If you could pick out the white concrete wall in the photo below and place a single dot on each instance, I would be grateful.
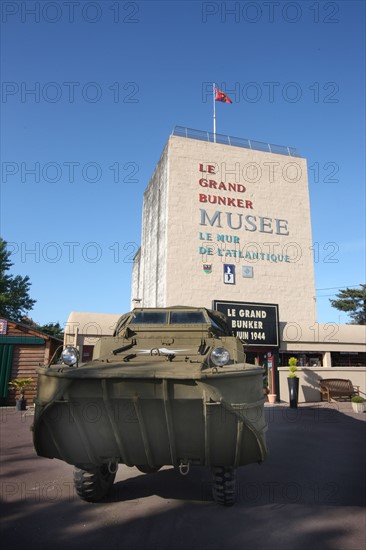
(322, 337)
(89, 326)
(266, 179)
(149, 272)
(310, 376)
(136, 279)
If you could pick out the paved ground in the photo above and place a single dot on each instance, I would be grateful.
(309, 494)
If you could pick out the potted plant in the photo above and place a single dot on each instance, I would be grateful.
(358, 403)
(20, 384)
(293, 382)
(271, 397)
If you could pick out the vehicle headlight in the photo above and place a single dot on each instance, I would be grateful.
(70, 356)
(220, 356)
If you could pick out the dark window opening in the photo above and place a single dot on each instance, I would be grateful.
(187, 317)
(348, 359)
(87, 354)
(307, 359)
(149, 318)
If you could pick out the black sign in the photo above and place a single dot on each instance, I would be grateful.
(255, 324)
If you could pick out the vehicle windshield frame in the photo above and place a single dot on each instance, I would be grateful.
(162, 318)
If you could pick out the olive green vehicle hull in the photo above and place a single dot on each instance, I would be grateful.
(150, 417)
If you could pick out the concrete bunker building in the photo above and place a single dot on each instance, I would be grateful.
(226, 225)
(209, 205)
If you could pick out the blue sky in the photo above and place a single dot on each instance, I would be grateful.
(111, 79)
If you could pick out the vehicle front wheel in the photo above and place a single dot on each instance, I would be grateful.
(94, 483)
(224, 485)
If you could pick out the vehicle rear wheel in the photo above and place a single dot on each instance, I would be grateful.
(223, 485)
(94, 483)
(148, 469)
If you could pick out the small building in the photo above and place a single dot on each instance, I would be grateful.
(82, 330)
(22, 350)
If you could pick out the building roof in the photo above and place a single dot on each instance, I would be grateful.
(14, 327)
(91, 323)
(201, 135)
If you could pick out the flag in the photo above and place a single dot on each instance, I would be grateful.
(220, 96)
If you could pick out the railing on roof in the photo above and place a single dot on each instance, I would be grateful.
(201, 135)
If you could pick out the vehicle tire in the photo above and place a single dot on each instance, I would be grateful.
(224, 485)
(94, 483)
(148, 469)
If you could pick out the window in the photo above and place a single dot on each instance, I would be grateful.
(187, 317)
(348, 359)
(149, 318)
(87, 354)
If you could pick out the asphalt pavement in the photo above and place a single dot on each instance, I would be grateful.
(309, 494)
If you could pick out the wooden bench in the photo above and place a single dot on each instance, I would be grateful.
(337, 387)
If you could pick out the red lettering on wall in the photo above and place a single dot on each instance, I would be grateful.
(212, 184)
(209, 168)
(226, 201)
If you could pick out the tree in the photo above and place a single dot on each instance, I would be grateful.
(15, 301)
(353, 301)
(53, 329)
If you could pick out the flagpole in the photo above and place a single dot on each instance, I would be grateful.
(214, 111)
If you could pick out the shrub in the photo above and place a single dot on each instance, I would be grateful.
(357, 399)
(20, 384)
(292, 367)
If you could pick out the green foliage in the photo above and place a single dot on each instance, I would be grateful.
(357, 399)
(20, 384)
(53, 329)
(14, 290)
(353, 301)
(292, 367)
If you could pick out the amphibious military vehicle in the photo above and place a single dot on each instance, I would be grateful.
(170, 387)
